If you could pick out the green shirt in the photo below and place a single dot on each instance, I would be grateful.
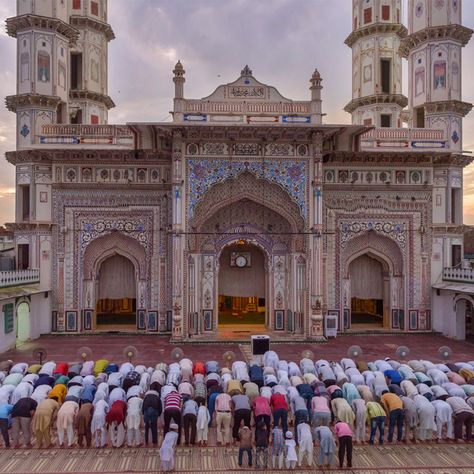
(374, 409)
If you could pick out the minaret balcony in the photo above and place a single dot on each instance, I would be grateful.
(458, 274)
(397, 139)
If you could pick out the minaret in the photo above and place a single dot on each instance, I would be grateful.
(433, 49)
(43, 41)
(376, 64)
(89, 101)
(316, 101)
(179, 80)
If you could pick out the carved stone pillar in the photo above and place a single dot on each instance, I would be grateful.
(178, 332)
(316, 220)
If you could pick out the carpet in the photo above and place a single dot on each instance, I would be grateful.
(394, 459)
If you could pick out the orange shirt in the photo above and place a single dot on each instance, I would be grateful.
(390, 401)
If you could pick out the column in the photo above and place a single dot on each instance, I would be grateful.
(178, 238)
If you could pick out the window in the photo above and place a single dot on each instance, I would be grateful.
(385, 120)
(94, 119)
(25, 202)
(355, 23)
(23, 256)
(76, 70)
(420, 117)
(367, 15)
(385, 75)
(456, 206)
(386, 12)
(456, 256)
(95, 8)
(76, 4)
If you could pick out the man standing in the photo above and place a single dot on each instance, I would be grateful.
(172, 411)
(190, 411)
(134, 412)
(279, 406)
(44, 418)
(305, 444)
(344, 436)
(65, 422)
(463, 416)
(394, 408)
(223, 418)
(241, 408)
(376, 416)
(84, 420)
(22, 412)
(151, 409)
(5, 412)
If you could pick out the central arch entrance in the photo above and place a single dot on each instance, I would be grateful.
(117, 293)
(242, 288)
(368, 292)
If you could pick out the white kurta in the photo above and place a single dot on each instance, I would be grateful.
(134, 413)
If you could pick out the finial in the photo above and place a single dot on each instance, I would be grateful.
(178, 69)
(246, 71)
(316, 79)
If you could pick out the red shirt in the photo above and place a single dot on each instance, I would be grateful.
(278, 402)
(117, 412)
(199, 368)
(261, 406)
(62, 369)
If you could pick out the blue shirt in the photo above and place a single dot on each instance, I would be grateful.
(394, 376)
(88, 393)
(5, 410)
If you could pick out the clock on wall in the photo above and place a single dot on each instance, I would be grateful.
(241, 261)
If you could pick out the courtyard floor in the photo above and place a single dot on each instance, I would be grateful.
(397, 458)
(153, 349)
(445, 458)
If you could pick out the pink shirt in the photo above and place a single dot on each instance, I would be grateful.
(342, 429)
(223, 402)
(261, 406)
(320, 405)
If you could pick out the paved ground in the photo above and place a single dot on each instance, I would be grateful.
(395, 459)
(154, 348)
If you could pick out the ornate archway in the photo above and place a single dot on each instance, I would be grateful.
(373, 282)
(258, 214)
(119, 252)
(464, 323)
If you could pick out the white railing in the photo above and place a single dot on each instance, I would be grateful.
(465, 275)
(19, 277)
(92, 135)
(203, 106)
(417, 139)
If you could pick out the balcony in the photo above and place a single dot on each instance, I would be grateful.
(83, 136)
(19, 277)
(459, 274)
(396, 139)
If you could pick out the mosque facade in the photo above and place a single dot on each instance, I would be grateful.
(247, 208)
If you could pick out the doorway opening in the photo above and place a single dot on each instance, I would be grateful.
(23, 323)
(367, 292)
(117, 288)
(242, 289)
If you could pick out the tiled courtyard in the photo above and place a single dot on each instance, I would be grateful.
(153, 349)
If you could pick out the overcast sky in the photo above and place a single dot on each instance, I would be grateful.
(281, 40)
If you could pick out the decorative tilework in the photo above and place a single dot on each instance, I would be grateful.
(396, 231)
(291, 175)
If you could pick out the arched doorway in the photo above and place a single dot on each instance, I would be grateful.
(116, 293)
(464, 328)
(242, 288)
(22, 323)
(369, 291)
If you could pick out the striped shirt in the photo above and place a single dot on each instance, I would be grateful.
(173, 401)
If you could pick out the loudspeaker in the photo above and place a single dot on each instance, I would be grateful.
(260, 345)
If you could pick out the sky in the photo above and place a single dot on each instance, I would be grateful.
(282, 41)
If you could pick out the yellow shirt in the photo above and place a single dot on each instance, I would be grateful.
(374, 409)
